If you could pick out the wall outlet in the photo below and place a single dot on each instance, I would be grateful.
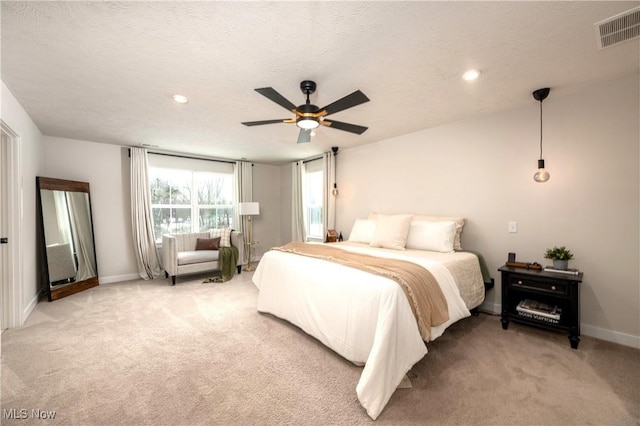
(513, 227)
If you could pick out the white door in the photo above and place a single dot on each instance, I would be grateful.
(10, 228)
(4, 264)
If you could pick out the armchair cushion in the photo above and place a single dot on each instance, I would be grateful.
(198, 256)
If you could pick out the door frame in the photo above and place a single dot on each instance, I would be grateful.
(12, 290)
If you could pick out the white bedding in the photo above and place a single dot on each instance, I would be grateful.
(363, 317)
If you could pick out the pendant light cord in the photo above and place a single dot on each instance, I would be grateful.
(541, 130)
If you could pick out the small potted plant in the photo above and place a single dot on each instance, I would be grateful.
(560, 256)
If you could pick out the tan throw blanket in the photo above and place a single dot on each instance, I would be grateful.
(425, 297)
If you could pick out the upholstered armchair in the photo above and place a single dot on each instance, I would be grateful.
(180, 256)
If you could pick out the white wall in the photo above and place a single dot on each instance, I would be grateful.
(18, 120)
(106, 168)
(482, 168)
(266, 191)
(286, 182)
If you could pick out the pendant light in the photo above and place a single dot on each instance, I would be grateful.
(335, 185)
(541, 175)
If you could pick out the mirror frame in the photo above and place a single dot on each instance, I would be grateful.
(78, 286)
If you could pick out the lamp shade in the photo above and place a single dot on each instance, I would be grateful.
(249, 209)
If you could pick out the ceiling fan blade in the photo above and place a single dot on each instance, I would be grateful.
(259, 123)
(348, 127)
(304, 136)
(355, 98)
(276, 97)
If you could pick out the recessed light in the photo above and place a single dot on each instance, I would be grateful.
(180, 99)
(471, 75)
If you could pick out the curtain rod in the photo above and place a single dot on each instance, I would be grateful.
(188, 157)
(333, 148)
(192, 158)
(311, 159)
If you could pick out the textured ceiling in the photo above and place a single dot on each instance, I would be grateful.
(106, 71)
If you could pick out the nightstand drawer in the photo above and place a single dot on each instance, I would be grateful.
(547, 286)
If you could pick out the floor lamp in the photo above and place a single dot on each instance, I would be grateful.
(249, 209)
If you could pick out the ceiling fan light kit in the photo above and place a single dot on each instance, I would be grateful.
(309, 116)
(307, 123)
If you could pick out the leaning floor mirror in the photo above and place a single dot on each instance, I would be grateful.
(68, 248)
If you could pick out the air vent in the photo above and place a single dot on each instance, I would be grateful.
(618, 29)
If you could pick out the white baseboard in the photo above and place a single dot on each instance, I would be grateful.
(610, 335)
(585, 329)
(118, 278)
(490, 308)
(28, 309)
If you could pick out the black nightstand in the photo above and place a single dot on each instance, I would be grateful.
(556, 289)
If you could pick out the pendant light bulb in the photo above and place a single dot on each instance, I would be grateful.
(541, 175)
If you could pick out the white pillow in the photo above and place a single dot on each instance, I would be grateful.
(432, 236)
(391, 231)
(459, 220)
(362, 231)
(224, 234)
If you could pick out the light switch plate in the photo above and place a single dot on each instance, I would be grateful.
(513, 227)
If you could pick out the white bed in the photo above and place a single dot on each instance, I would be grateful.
(365, 318)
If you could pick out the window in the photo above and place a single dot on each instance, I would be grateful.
(215, 200)
(312, 187)
(170, 201)
(185, 200)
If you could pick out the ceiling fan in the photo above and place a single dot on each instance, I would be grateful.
(309, 116)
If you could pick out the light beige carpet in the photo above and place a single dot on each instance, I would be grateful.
(150, 353)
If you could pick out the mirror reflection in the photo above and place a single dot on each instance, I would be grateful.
(67, 231)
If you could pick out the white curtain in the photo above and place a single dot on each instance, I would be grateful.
(328, 199)
(80, 215)
(144, 244)
(243, 172)
(62, 216)
(298, 232)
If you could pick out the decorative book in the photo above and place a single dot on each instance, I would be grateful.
(529, 308)
(540, 318)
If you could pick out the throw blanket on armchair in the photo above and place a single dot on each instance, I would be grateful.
(425, 297)
(227, 259)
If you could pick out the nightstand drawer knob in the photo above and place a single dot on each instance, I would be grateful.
(553, 287)
(519, 282)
